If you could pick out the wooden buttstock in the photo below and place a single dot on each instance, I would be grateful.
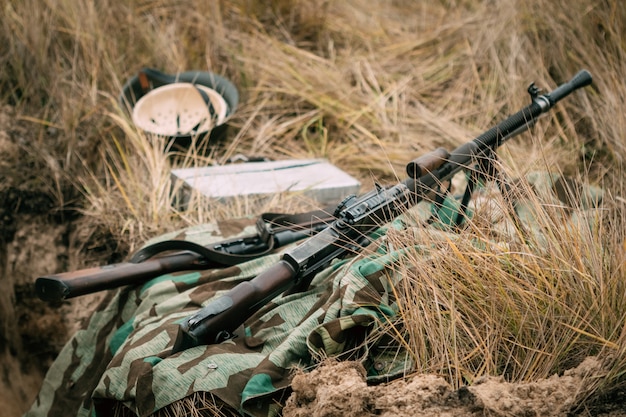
(59, 287)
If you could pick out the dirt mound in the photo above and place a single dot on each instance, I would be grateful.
(340, 389)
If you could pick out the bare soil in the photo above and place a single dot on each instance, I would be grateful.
(339, 389)
(35, 240)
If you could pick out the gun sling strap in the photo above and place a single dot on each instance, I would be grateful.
(273, 231)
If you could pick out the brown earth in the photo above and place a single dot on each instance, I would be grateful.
(35, 239)
(339, 389)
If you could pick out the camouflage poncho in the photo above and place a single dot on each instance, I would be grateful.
(121, 361)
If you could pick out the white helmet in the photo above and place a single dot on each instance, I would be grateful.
(182, 106)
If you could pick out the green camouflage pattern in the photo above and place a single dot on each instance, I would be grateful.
(120, 363)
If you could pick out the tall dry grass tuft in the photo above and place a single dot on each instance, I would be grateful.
(524, 302)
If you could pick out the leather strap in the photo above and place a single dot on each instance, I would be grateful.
(207, 101)
(269, 227)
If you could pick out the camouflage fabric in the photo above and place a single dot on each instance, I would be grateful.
(121, 361)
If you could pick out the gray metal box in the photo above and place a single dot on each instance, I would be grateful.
(314, 178)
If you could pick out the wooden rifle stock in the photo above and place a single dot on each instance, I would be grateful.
(65, 285)
(217, 321)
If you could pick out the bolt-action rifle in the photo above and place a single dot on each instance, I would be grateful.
(274, 230)
(356, 217)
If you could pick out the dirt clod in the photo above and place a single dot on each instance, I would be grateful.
(340, 389)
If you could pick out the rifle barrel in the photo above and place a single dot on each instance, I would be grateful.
(483, 145)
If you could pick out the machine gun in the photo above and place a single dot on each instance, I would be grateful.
(356, 217)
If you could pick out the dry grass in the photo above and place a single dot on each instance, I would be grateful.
(525, 304)
(368, 85)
